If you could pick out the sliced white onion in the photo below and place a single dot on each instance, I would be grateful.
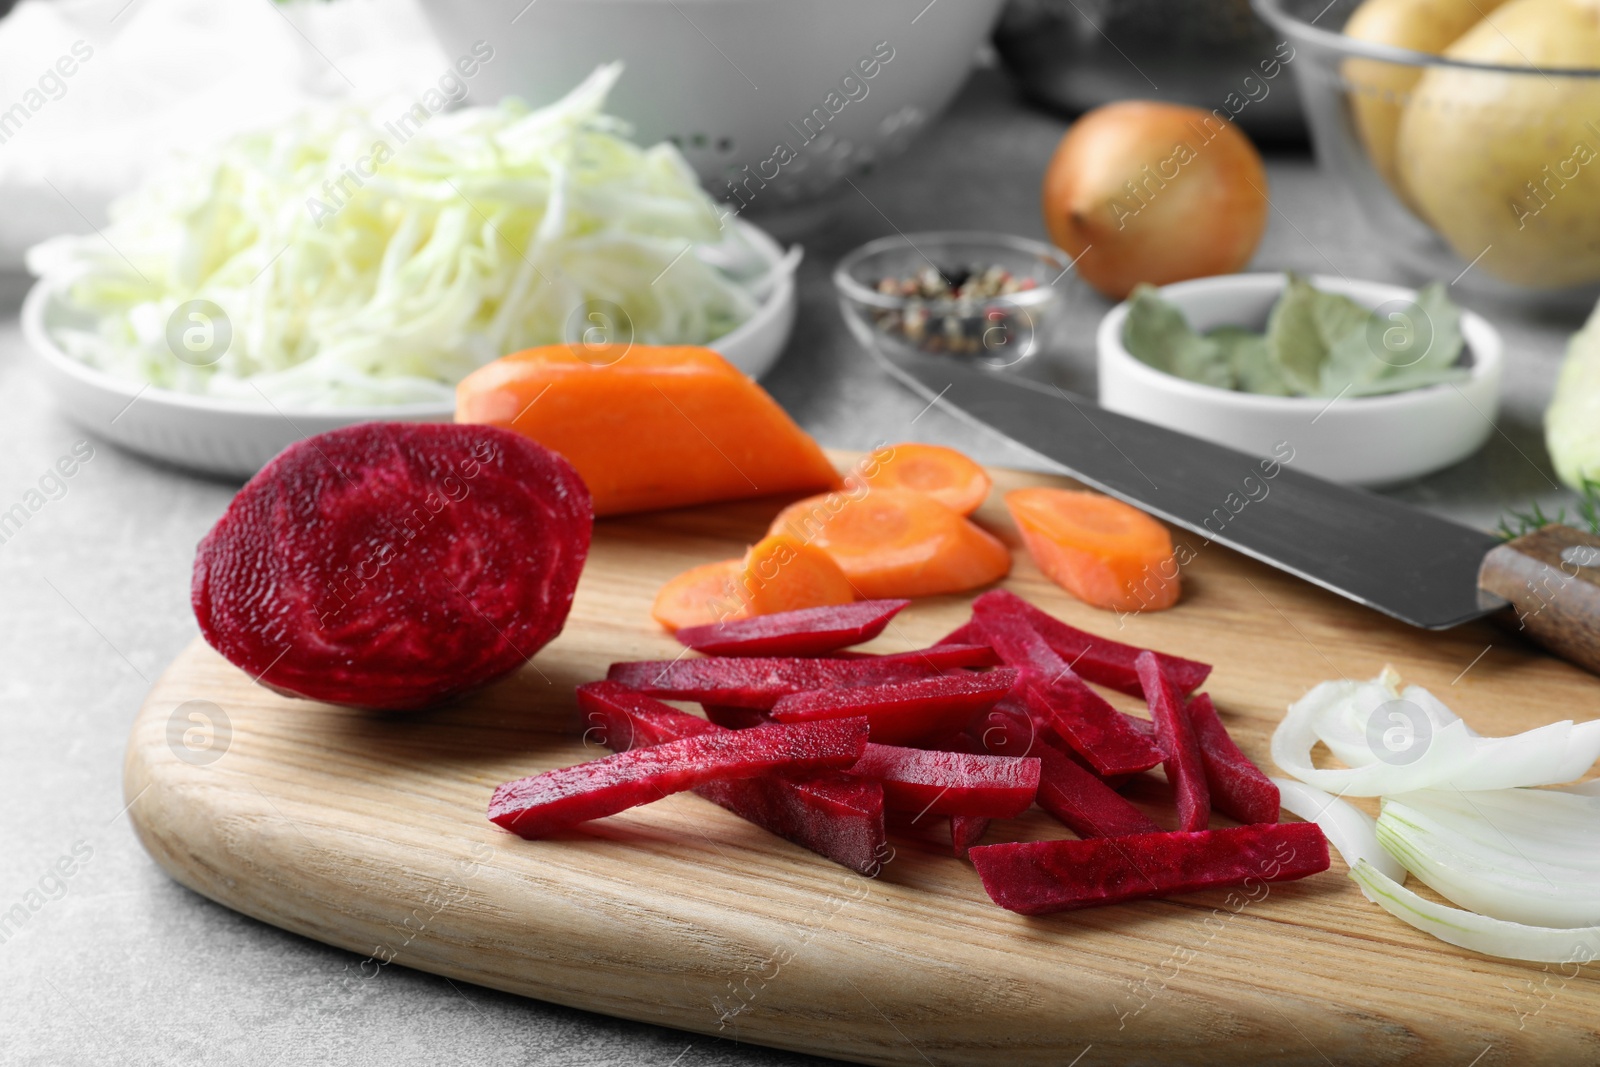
(1347, 828)
(1479, 933)
(1498, 869)
(1401, 741)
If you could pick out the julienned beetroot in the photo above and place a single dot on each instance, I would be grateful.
(943, 657)
(1040, 877)
(735, 718)
(966, 831)
(1095, 729)
(807, 632)
(955, 833)
(968, 633)
(904, 712)
(1099, 659)
(950, 783)
(543, 804)
(1184, 765)
(1237, 786)
(391, 565)
(837, 816)
(1083, 803)
(758, 681)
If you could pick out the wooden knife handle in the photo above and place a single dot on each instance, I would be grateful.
(1552, 579)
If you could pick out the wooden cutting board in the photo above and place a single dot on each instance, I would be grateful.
(367, 831)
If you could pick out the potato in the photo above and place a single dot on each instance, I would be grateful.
(1507, 165)
(1379, 89)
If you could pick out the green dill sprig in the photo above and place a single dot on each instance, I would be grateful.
(1586, 515)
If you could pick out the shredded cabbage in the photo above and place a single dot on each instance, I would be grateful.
(476, 233)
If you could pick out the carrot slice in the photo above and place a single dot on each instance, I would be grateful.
(933, 470)
(897, 543)
(701, 596)
(776, 574)
(648, 426)
(782, 573)
(1104, 552)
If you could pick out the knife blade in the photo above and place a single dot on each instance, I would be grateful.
(1398, 559)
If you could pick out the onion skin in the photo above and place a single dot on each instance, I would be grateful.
(1158, 193)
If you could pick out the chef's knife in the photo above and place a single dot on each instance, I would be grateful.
(1388, 555)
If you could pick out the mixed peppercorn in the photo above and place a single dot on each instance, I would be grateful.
(960, 311)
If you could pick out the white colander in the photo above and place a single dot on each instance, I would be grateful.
(772, 101)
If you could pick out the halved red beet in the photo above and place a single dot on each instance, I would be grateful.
(837, 816)
(903, 712)
(807, 632)
(1237, 786)
(542, 804)
(391, 565)
(1101, 733)
(950, 783)
(758, 681)
(1079, 800)
(1099, 659)
(1040, 877)
(1184, 765)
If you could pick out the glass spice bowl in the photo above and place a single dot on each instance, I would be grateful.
(986, 297)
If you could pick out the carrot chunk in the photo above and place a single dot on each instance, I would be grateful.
(1104, 552)
(1040, 877)
(897, 543)
(701, 596)
(648, 426)
(942, 473)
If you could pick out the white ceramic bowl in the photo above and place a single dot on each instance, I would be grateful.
(729, 81)
(235, 438)
(1373, 440)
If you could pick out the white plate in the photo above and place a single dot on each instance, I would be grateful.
(236, 438)
(1369, 440)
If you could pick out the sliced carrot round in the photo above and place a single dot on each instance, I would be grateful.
(1102, 551)
(782, 573)
(942, 473)
(701, 595)
(896, 542)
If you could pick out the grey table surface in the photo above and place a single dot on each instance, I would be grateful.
(118, 964)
